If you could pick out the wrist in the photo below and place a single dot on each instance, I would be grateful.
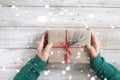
(95, 54)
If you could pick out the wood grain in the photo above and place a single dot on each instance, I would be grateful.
(60, 17)
(17, 58)
(27, 37)
(83, 3)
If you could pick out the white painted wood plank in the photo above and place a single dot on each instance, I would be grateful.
(99, 3)
(59, 17)
(27, 37)
(17, 58)
(54, 74)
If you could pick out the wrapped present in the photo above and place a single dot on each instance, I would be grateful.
(69, 45)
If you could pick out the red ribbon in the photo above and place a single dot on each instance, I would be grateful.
(67, 47)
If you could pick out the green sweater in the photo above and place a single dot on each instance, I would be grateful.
(103, 69)
(32, 69)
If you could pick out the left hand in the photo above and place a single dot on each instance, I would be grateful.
(44, 53)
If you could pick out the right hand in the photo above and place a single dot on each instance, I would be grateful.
(93, 48)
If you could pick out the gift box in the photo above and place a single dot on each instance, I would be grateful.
(69, 45)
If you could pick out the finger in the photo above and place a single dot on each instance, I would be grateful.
(94, 41)
(47, 49)
(91, 50)
(41, 41)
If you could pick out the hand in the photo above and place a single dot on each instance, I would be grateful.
(93, 48)
(44, 53)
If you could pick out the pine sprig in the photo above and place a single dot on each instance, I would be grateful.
(77, 37)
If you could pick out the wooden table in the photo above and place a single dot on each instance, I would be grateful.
(22, 22)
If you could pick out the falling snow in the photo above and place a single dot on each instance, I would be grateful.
(53, 19)
(92, 78)
(78, 53)
(50, 13)
(42, 19)
(52, 52)
(88, 75)
(66, 10)
(63, 72)
(98, 33)
(70, 77)
(0, 5)
(81, 70)
(63, 62)
(67, 68)
(53, 66)
(17, 70)
(17, 14)
(3, 68)
(47, 6)
(18, 59)
(61, 13)
(46, 72)
(105, 78)
(112, 27)
(91, 15)
(14, 7)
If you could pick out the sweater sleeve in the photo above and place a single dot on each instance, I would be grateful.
(31, 70)
(103, 69)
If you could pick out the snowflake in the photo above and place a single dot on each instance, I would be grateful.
(67, 68)
(52, 52)
(53, 19)
(81, 71)
(50, 13)
(63, 72)
(70, 77)
(86, 25)
(17, 14)
(66, 10)
(4, 69)
(91, 15)
(42, 19)
(98, 33)
(92, 78)
(46, 72)
(63, 62)
(17, 70)
(112, 27)
(53, 65)
(18, 59)
(78, 53)
(61, 13)
(14, 7)
(77, 57)
(105, 78)
(29, 58)
(82, 49)
(26, 11)
(88, 75)
(47, 6)
(27, 46)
